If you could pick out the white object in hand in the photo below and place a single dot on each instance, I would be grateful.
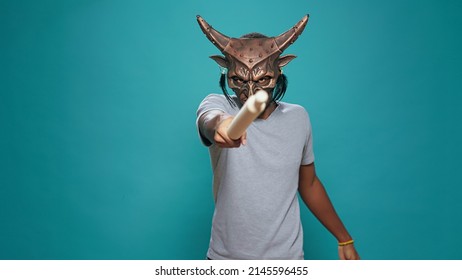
(251, 109)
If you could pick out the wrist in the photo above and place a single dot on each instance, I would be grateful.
(345, 243)
(343, 236)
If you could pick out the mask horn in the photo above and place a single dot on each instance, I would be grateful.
(286, 39)
(218, 39)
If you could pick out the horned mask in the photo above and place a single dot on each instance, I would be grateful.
(252, 61)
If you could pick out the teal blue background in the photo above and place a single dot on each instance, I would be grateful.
(100, 158)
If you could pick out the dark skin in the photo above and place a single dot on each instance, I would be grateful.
(316, 199)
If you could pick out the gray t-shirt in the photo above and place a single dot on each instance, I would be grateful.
(257, 214)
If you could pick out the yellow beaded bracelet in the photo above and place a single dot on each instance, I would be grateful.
(346, 243)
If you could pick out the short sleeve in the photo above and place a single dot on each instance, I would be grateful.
(212, 102)
(308, 154)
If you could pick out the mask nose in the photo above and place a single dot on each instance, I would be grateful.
(252, 87)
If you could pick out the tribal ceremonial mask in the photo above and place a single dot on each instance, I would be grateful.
(253, 61)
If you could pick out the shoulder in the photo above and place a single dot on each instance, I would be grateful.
(295, 114)
(216, 102)
(293, 109)
(219, 99)
(215, 96)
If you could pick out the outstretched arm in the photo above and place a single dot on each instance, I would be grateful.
(214, 124)
(316, 199)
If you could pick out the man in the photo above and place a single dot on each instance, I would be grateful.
(256, 177)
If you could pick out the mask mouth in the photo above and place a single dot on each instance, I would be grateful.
(248, 92)
(243, 96)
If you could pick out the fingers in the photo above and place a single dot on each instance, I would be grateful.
(341, 253)
(222, 139)
(244, 138)
(348, 253)
(351, 253)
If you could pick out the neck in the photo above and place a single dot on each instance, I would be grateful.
(269, 109)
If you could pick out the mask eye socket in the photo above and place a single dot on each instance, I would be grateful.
(264, 81)
(238, 80)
